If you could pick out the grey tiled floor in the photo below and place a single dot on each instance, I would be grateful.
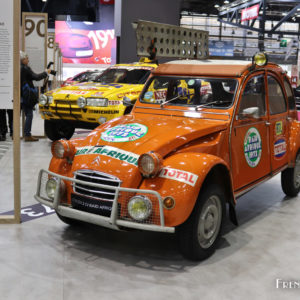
(46, 259)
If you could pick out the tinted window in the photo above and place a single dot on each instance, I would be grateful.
(254, 95)
(276, 97)
(289, 93)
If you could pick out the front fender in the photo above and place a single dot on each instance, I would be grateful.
(182, 177)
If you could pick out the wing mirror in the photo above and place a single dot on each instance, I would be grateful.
(127, 102)
(250, 112)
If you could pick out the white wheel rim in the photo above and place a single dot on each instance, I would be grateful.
(209, 221)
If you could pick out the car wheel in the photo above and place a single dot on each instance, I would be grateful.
(199, 235)
(290, 179)
(69, 221)
(58, 130)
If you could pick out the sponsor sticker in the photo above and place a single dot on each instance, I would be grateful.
(66, 92)
(179, 175)
(113, 152)
(278, 128)
(124, 133)
(279, 148)
(252, 147)
(114, 102)
(98, 94)
(160, 95)
(148, 95)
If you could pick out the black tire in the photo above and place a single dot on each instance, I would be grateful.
(199, 235)
(290, 179)
(69, 221)
(58, 130)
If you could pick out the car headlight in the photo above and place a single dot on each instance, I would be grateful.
(63, 149)
(97, 101)
(81, 102)
(150, 164)
(139, 208)
(43, 100)
(52, 186)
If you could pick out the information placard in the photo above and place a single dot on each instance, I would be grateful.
(6, 54)
(35, 40)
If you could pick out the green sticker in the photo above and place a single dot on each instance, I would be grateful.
(252, 147)
(124, 133)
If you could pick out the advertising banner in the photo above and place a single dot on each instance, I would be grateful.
(35, 41)
(85, 43)
(221, 48)
(250, 13)
(6, 54)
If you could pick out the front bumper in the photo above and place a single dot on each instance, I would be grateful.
(115, 221)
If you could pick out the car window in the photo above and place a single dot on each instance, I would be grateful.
(129, 76)
(254, 95)
(192, 91)
(290, 95)
(276, 97)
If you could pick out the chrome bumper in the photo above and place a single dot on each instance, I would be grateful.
(112, 222)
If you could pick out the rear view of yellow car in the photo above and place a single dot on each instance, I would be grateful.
(89, 104)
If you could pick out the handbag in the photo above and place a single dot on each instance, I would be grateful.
(29, 95)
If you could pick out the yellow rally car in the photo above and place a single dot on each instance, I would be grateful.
(89, 104)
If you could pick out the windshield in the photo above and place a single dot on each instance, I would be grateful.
(192, 91)
(124, 75)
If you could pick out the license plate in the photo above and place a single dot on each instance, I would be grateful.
(98, 207)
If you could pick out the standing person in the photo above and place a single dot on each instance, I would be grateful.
(27, 76)
(3, 126)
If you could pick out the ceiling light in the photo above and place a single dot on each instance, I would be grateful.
(226, 2)
(217, 5)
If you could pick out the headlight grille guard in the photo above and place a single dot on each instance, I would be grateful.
(111, 222)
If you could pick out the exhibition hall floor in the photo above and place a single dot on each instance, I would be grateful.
(43, 258)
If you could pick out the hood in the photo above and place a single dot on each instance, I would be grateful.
(119, 143)
(90, 89)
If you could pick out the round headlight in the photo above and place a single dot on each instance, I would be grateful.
(139, 208)
(150, 164)
(260, 59)
(43, 99)
(81, 102)
(51, 187)
(63, 149)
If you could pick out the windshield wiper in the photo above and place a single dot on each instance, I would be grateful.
(172, 99)
(211, 103)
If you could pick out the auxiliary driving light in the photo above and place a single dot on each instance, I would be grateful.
(139, 208)
(81, 102)
(63, 149)
(150, 164)
(260, 59)
(169, 202)
(51, 187)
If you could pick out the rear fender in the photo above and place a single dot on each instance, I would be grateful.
(294, 142)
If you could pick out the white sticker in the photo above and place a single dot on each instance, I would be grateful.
(179, 175)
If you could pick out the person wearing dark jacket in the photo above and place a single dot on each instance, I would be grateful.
(27, 76)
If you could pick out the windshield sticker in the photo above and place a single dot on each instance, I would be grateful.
(160, 95)
(252, 147)
(148, 95)
(179, 175)
(278, 128)
(113, 152)
(279, 148)
(88, 87)
(124, 133)
(132, 68)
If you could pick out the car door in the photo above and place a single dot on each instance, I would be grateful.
(279, 125)
(250, 148)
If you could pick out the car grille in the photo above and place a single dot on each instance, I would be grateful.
(96, 177)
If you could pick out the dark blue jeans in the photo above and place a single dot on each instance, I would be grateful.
(28, 120)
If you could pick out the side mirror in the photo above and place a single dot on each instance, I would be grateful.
(250, 112)
(127, 102)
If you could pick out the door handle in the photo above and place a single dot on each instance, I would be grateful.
(288, 118)
(267, 123)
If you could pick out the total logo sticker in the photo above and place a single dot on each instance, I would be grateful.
(279, 148)
(252, 147)
(179, 175)
(124, 133)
